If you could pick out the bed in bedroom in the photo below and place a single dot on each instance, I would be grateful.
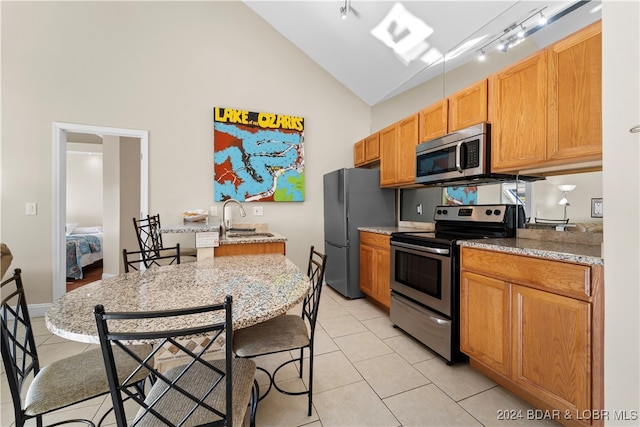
(84, 247)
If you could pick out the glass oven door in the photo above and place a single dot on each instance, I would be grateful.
(422, 274)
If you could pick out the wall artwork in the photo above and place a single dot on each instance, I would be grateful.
(460, 195)
(257, 156)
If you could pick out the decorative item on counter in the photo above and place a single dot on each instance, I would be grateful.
(195, 215)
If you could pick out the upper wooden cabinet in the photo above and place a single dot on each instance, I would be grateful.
(434, 120)
(464, 108)
(546, 110)
(398, 153)
(358, 153)
(519, 114)
(575, 96)
(468, 106)
(367, 151)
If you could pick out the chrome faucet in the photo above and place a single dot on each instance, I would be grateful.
(226, 224)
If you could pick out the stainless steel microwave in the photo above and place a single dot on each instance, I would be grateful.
(460, 155)
(460, 158)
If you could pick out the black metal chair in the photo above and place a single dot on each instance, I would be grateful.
(199, 392)
(150, 238)
(60, 384)
(135, 259)
(287, 332)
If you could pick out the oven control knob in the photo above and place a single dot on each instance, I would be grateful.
(444, 212)
(496, 212)
(488, 212)
(439, 211)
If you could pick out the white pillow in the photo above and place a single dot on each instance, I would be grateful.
(70, 227)
(87, 230)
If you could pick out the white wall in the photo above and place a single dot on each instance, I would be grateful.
(161, 67)
(621, 186)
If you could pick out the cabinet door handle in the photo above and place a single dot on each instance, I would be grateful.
(635, 129)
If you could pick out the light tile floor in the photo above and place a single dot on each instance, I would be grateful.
(367, 373)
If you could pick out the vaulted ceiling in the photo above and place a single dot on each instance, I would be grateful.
(415, 38)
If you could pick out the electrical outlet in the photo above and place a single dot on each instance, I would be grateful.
(213, 210)
(597, 208)
(258, 211)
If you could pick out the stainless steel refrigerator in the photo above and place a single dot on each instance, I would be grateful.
(352, 198)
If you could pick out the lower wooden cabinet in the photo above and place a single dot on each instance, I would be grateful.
(375, 267)
(251, 249)
(487, 334)
(551, 350)
(536, 327)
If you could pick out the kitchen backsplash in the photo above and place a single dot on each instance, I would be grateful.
(542, 198)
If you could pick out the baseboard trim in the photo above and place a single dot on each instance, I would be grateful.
(38, 310)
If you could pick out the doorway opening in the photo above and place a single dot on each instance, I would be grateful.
(59, 182)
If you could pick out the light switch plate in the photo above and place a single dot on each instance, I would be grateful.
(597, 208)
(258, 211)
(32, 208)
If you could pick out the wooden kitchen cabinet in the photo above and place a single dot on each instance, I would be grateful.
(358, 153)
(552, 348)
(464, 108)
(546, 110)
(367, 151)
(468, 106)
(257, 248)
(375, 267)
(575, 97)
(519, 115)
(398, 153)
(434, 121)
(485, 312)
(536, 327)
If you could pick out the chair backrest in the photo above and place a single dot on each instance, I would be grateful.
(181, 393)
(315, 271)
(133, 260)
(148, 233)
(19, 354)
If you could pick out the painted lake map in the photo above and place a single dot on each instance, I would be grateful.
(257, 156)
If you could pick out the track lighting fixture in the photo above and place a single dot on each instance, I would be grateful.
(346, 9)
(482, 55)
(543, 20)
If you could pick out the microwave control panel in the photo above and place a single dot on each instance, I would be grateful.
(472, 158)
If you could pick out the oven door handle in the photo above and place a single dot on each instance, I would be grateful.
(439, 251)
(439, 321)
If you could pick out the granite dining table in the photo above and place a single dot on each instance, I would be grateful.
(262, 287)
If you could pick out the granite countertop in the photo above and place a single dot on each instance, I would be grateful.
(262, 286)
(201, 227)
(402, 228)
(275, 237)
(554, 250)
(190, 227)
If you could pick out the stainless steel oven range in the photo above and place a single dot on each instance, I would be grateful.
(425, 272)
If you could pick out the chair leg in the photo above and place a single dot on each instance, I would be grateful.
(301, 359)
(271, 382)
(253, 403)
(310, 377)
